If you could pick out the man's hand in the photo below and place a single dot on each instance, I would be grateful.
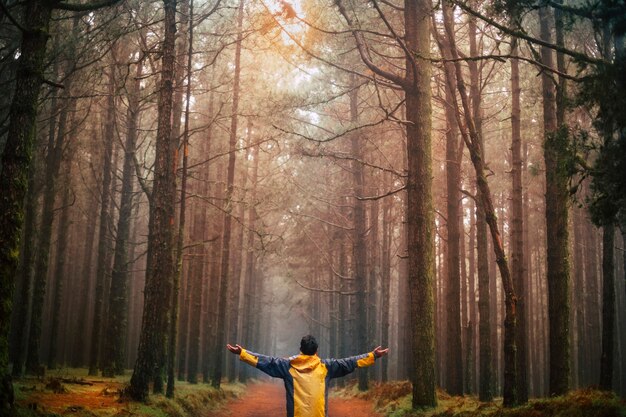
(379, 351)
(234, 349)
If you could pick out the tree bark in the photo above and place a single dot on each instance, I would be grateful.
(114, 355)
(517, 227)
(56, 140)
(24, 300)
(454, 349)
(160, 261)
(234, 330)
(85, 288)
(186, 9)
(228, 206)
(608, 307)
(16, 158)
(473, 143)
(486, 379)
(473, 303)
(62, 231)
(102, 267)
(386, 280)
(420, 220)
(555, 144)
(359, 256)
(250, 273)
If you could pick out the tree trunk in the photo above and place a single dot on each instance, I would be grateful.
(85, 288)
(250, 275)
(16, 158)
(473, 142)
(24, 300)
(114, 355)
(53, 162)
(608, 307)
(517, 227)
(234, 331)
(160, 261)
(386, 280)
(420, 220)
(454, 349)
(196, 338)
(359, 257)
(623, 229)
(228, 206)
(555, 145)
(473, 317)
(62, 232)
(103, 236)
(579, 296)
(373, 274)
(186, 9)
(486, 381)
(465, 348)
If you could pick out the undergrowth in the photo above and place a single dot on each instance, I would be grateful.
(71, 392)
(393, 399)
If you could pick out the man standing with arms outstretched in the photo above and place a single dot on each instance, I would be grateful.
(306, 376)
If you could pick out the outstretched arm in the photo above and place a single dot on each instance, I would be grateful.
(341, 367)
(275, 367)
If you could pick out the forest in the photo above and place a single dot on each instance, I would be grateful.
(443, 178)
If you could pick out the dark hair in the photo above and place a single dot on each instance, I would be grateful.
(308, 345)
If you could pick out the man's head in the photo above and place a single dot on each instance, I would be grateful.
(308, 345)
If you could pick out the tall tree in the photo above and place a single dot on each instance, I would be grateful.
(160, 262)
(420, 221)
(359, 257)
(387, 234)
(173, 330)
(557, 234)
(517, 226)
(454, 351)
(17, 153)
(228, 206)
(250, 273)
(65, 156)
(114, 355)
(608, 307)
(59, 269)
(473, 143)
(22, 311)
(54, 156)
(486, 374)
(102, 266)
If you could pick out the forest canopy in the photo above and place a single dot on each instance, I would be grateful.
(445, 178)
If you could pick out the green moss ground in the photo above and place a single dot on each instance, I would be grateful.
(393, 399)
(37, 397)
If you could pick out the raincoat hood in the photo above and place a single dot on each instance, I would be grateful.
(305, 363)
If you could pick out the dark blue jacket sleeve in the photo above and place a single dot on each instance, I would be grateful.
(341, 367)
(274, 367)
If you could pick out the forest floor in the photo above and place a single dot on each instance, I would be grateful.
(268, 400)
(393, 399)
(72, 393)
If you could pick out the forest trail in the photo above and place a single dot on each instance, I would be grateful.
(268, 400)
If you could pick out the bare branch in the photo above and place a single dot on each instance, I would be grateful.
(73, 7)
(387, 194)
(325, 290)
(522, 35)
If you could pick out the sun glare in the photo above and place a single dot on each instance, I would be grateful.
(289, 15)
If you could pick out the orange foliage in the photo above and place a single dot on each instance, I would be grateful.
(50, 398)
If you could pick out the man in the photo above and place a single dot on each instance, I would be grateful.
(306, 376)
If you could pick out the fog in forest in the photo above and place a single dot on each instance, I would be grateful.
(442, 178)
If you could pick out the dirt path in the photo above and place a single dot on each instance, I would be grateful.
(268, 400)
